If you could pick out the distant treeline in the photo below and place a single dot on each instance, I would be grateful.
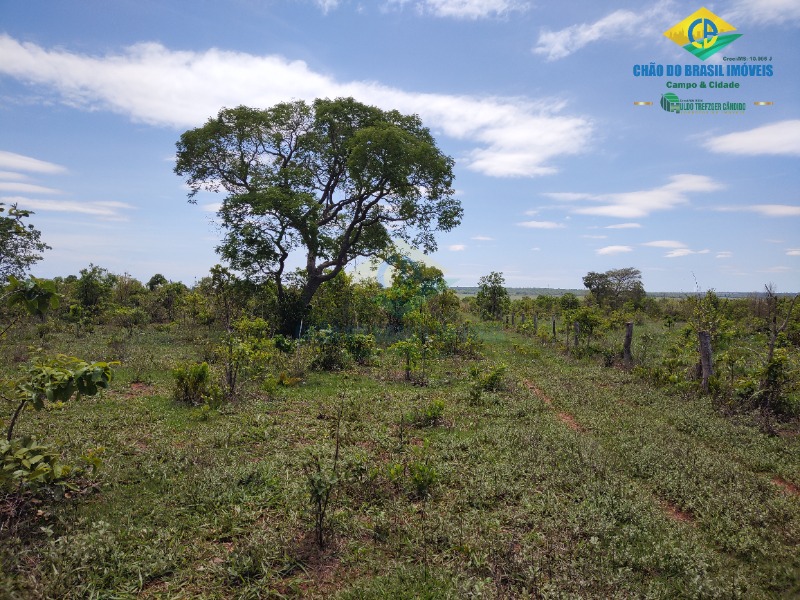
(464, 291)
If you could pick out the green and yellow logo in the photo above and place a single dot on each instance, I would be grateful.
(702, 33)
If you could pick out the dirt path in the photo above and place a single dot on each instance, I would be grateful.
(564, 417)
(669, 509)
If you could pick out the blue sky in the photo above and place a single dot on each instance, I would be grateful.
(558, 172)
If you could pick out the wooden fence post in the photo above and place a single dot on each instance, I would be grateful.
(706, 364)
(627, 357)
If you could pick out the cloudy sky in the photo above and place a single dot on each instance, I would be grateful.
(558, 171)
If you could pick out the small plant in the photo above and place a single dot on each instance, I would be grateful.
(26, 463)
(411, 351)
(417, 472)
(284, 344)
(429, 415)
(422, 478)
(491, 381)
(322, 481)
(193, 384)
(55, 379)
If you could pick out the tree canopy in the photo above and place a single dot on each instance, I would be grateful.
(492, 297)
(615, 287)
(20, 243)
(413, 282)
(335, 180)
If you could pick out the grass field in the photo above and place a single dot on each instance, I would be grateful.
(572, 480)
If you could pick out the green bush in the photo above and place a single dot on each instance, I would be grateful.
(330, 351)
(25, 463)
(429, 415)
(423, 477)
(491, 381)
(361, 347)
(193, 384)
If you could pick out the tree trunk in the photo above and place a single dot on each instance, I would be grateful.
(627, 357)
(576, 327)
(705, 358)
(554, 328)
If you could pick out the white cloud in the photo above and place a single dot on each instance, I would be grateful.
(19, 162)
(793, 252)
(642, 203)
(618, 25)
(153, 84)
(774, 12)
(679, 252)
(567, 196)
(457, 247)
(108, 210)
(766, 210)
(212, 207)
(595, 237)
(624, 226)
(614, 250)
(541, 224)
(665, 244)
(10, 175)
(483, 238)
(465, 9)
(725, 254)
(327, 5)
(781, 138)
(25, 188)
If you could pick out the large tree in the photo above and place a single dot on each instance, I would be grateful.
(616, 287)
(20, 243)
(335, 180)
(492, 297)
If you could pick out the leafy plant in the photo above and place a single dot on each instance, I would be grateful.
(429, 415)
(330, 351)
(492, 380)
(24, 462)
(193, 384)
(322, 481)
(360, 346)
(56, 379)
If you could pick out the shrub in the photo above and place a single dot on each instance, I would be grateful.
(330, 350)
(25, 463)
(193, 384)
(360, 346)
(284, 344)
(491, 381)
(429, 415)
(423, 477)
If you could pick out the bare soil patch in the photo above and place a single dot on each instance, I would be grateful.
(786, 486)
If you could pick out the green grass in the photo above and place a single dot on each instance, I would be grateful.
(654, 495)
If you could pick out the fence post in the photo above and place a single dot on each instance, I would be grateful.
(706, 364)
(627, 357)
